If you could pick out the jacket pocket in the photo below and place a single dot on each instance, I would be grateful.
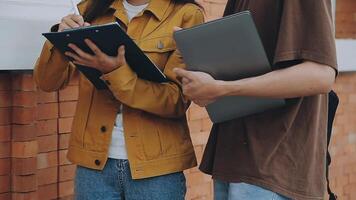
(158, 49)
(174, 135)
(82, 113)
(151, 142)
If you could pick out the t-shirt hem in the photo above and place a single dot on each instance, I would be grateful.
(270, 186)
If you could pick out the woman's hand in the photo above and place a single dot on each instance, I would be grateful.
(99, 60)
(72, 21)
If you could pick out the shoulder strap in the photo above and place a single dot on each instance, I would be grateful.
(333, 104)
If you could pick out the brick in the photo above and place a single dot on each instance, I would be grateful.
(47, 176)
(5, 196)
(48, 192)
(66, 188)
(75, 78)
(5, 99)
(25, 196)
(201, 191)
(206, 125)
(47, 143)
(199, 152)
(24, 166)
(5, 166)
(5, 149)
(200, 138)
(5, 133)
(5, 81)
(70, 93)
(47, 97)
(65, 125)
(195, 126)
(23, 82)
(71, 197)
(67, 172)
(47, 127)
(67, 109)
(24, 149)
(64, 141)
(47, 111)
(5, 182)
(196, 113)
(5, 116)
(193, 170)
(21, 115)
(46, 160)
(197, 178)
(22, 133)
(345, 19)
(26, 183)
(63, 158)
(24, 99)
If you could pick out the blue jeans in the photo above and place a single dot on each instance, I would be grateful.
(239, 191)
(115, 183)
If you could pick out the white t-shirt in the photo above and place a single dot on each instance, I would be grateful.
(117, 149)
(132, 10)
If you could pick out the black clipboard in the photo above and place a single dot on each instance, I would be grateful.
(108, 38)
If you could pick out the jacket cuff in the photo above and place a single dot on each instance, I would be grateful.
(120, 76)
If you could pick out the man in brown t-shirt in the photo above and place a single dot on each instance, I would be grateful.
(281, 151)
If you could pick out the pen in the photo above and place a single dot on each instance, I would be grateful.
(74, 5)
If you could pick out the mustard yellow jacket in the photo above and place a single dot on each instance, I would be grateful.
(155, 125)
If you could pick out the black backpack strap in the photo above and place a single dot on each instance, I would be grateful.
(333, 104)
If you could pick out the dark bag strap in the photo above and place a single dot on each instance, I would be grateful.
(333, 104)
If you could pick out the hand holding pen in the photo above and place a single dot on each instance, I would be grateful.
(73, 20)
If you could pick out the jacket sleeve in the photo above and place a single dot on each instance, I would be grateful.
(165, 100)
(52, 70)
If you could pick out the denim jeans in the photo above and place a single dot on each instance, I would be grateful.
(115, 183)
(238, 191)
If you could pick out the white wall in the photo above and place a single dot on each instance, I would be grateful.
(21, 25)
(346, 54)
(23, 21)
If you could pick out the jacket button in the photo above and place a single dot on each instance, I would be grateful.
(160, 45)
(97, 162)
(103, 129)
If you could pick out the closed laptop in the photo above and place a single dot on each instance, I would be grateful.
(228, 49)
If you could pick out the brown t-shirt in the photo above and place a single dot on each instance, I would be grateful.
(283, 150)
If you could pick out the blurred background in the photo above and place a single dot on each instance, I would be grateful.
(35, 126)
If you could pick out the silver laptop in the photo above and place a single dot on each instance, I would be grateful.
(229, 49)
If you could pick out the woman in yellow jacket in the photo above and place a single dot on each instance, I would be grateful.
(132, 140)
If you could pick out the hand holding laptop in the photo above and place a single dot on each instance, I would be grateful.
(219, 53)
(201, 87)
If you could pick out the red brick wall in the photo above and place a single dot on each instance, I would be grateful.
(34, 130)
(343, 147)
(346, 19)
(200, 186)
